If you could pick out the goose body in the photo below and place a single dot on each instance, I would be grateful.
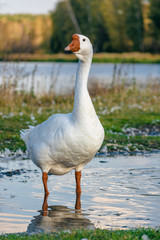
(68, 141)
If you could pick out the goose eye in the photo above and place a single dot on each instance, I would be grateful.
(84, 39)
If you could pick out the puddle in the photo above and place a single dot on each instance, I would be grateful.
(117, 192)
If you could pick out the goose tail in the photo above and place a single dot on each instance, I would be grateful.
(24, 134)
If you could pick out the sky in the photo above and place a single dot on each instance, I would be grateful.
(26, 6)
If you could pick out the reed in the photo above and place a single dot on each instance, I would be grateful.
(15, 97)
(123, 97)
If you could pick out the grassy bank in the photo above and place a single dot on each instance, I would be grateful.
(131, 57)
(92, 235)
(130, 116)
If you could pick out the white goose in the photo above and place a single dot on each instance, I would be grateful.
(68, 141)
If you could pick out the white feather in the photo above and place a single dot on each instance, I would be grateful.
(68, 141)
(24, 134)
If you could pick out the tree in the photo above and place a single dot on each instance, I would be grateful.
(63, 28)
(155, 25)
(80, 17)
(134, 23)
(88, 13)
(155, 13)
(114, 16)
(111, 25)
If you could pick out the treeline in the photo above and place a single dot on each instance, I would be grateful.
(112, 25)
(25, 33)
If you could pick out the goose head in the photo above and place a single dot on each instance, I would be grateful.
(81, 47)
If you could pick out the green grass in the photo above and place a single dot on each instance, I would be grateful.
(97, 234)
(29, 110)
(116, 140)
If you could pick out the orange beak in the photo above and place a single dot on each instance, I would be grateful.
(74, 46)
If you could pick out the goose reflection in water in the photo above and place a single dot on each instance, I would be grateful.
(56, 218)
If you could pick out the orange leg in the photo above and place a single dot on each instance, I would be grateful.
(44, 179)
(78, 190)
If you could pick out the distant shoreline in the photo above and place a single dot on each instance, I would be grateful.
(132, 57)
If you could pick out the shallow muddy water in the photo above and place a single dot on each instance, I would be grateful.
(117, 192)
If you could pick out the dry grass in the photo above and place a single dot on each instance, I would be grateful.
(15, 102)
(130, 57)
(125, 97)
(122, 97)
(40, 57)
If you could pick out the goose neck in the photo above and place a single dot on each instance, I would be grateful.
(82, 100)
(82, 75)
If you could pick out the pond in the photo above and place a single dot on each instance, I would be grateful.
(117, 192)
(42, 78)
